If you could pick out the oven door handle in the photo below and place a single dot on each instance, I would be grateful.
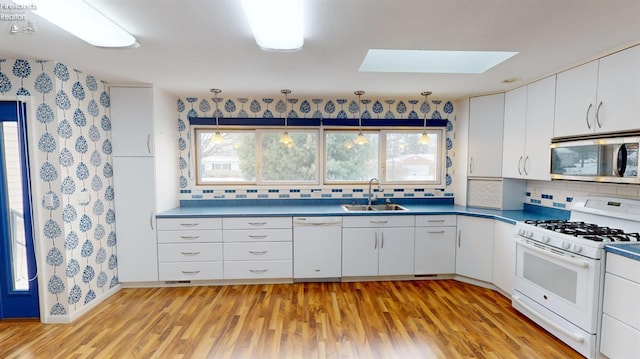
(575, 262)
(575, 336)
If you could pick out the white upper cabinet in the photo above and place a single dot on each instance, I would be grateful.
(528, 128)
(515, 119)
(486, 114)
(132, 121)
(600, 96)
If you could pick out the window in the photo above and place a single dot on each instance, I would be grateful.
(408, 160)
(347, 161)
(256, 157)
(394, 156)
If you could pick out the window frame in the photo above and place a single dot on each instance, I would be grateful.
(321, 133)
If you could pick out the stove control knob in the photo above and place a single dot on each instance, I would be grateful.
(577, 248)
(546, 239)
(566, 245)
(521, 232)
(529, 234)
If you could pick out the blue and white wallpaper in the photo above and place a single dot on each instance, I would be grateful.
(340, 108)
(70, 132)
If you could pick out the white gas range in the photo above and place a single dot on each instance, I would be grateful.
(560, 267)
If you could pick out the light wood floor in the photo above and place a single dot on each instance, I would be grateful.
(402, 319)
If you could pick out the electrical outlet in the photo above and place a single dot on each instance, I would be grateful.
(47, 200)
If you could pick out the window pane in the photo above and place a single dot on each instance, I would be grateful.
(410, 160)
(347, 161)
(233, 160)
(297, 162)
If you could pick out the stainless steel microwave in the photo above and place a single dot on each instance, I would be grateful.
(599, 158)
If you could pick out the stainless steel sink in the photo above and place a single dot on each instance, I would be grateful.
(389, 207)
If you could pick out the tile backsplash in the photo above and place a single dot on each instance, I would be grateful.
(560, 194)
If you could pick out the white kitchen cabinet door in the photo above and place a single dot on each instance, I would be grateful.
(576, 100)
(539, 129)
(359, 252)
(435, 250)
(317, 252)
(619, 91)
(474, 251)
(395, 255)
(134, 199)
(515, 118)
(486, 115)
(504, 256)
(131, 121)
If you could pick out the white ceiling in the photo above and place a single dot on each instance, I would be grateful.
(190, 46)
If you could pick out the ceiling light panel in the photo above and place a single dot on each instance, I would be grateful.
(428, 61)
(276, 24)
(83, 21)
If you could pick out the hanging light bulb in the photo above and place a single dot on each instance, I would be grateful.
(361, 139)
(425, 139)
(217, 137)
(286, 138)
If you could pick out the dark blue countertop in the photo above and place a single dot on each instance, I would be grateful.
(275, 208)
(629, 250)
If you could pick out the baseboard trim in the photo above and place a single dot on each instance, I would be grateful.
(65, 319)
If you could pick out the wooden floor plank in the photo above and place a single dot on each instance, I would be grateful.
(390, 319)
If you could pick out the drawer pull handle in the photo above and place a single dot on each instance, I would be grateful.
(189, 237)
(189, 224)
(190, 253)
(257, 223)
(435, 231)
(378, 222)
(435, 220)
(261, 236)
(190, 272)
(258, 271)
(258, 253)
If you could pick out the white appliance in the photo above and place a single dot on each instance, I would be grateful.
(560, 267)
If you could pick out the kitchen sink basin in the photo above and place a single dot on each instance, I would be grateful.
(373, 208)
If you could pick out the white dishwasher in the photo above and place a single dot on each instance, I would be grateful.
(317, 248)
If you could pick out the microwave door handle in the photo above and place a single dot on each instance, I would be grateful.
(620, 160)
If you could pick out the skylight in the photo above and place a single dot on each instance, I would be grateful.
(428, 61)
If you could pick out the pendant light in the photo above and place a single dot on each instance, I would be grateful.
(361, 139)
(286, 138)
(217, 138)
(425, 139)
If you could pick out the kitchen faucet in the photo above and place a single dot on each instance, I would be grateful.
(370, 194)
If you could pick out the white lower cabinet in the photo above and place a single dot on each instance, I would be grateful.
(474, 251)
(504, 256)
(377, 245)
(189, 249)
(620, 334)
(257, 248)
(435, 245)
(317, 247)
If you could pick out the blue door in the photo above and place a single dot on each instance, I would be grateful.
(18, 273)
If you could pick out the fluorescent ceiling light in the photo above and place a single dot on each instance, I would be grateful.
(276, 24)
(82, 21)
(427, 61)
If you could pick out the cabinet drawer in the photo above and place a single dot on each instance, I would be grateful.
(378, 221)
(436, 221)
(623, 267)
(256, 222)
(619, 340)
(190, 236)
(189, 252)
(257, 235)
(258, 251)
(190, 270)
(621, 300)
(188, 223)
(258, 269)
